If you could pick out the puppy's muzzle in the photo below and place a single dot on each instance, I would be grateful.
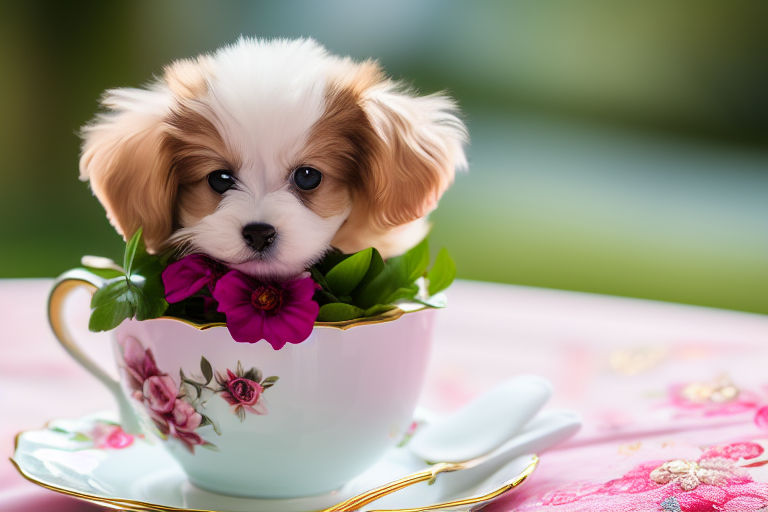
(259, 235)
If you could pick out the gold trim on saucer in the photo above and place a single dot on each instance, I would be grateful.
(477, 499)
(142, 506)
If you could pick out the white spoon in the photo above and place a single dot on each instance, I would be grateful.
(483, 424)
(546, 430)
(468, 437)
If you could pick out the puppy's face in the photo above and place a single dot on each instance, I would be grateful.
(265, 154)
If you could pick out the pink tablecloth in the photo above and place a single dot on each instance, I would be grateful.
(675, 398)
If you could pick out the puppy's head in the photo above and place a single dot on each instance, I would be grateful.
(265, 153)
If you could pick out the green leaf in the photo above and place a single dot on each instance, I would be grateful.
(318, 277)
(435, 301)
(398, 273)
(107, 318)
(346, 275)
(137, 293)
(112, 304)
(337, 311)
(80, 437)
(330, 259)
(270, 380)
(106, 273)
(442, 273)
(378, 309)
(253, 374)
(407, 292)
(131, 248)
(150, 303)
(110, 292)
(375, 268)
(413, 263)
(207, 369)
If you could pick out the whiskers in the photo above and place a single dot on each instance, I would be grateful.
(182, 243)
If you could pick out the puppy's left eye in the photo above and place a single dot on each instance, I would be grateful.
(221, 181)
(307, 178)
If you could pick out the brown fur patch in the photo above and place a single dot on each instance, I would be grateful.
(196, 149)
(127, 166)
(409, 159)
(339, 145)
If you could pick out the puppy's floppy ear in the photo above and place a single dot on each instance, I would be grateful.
(128, 168)
(421, 147)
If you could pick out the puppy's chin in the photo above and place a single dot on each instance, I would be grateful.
(268, 269)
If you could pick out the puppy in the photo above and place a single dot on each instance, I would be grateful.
(264, 154)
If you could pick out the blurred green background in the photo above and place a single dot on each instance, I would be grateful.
(617, 147)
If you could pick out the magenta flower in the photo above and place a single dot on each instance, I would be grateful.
(278, 313)
(189, 275)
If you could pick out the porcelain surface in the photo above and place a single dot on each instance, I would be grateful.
(93, 459)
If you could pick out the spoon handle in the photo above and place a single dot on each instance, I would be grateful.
(355, 502)
(475, 500)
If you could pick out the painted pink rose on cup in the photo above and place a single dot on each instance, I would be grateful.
(160, 393)
(170, 405)
(243, 393)
(181, 423)
(139, 364)
(243, 390)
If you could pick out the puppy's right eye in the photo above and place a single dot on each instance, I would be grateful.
(221, 181)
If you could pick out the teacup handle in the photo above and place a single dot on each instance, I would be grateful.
(64, 285)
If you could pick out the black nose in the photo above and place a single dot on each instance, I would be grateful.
(259, 235)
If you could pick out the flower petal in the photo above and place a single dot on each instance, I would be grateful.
(301, 290)
(292, 325)
(245, 324)
(187, 276)
(233, 290)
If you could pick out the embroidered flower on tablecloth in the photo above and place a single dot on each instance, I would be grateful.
(717, 397)
(714, 482)
(690, 474)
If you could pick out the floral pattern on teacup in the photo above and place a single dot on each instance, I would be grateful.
(176, 409)
(242, 389)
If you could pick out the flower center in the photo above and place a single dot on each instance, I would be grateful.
(243, 390)
(267, 298)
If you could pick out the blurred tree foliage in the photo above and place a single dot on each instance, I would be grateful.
(618, 147)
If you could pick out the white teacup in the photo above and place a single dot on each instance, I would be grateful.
(341, 398)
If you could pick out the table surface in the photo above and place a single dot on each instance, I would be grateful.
(674, 398)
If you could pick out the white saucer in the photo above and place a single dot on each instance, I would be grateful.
(142, 476)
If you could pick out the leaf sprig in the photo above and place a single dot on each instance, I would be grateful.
(352, 286)
(363, 284)
(135, 290)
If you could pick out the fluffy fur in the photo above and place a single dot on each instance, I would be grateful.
(260, 109)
